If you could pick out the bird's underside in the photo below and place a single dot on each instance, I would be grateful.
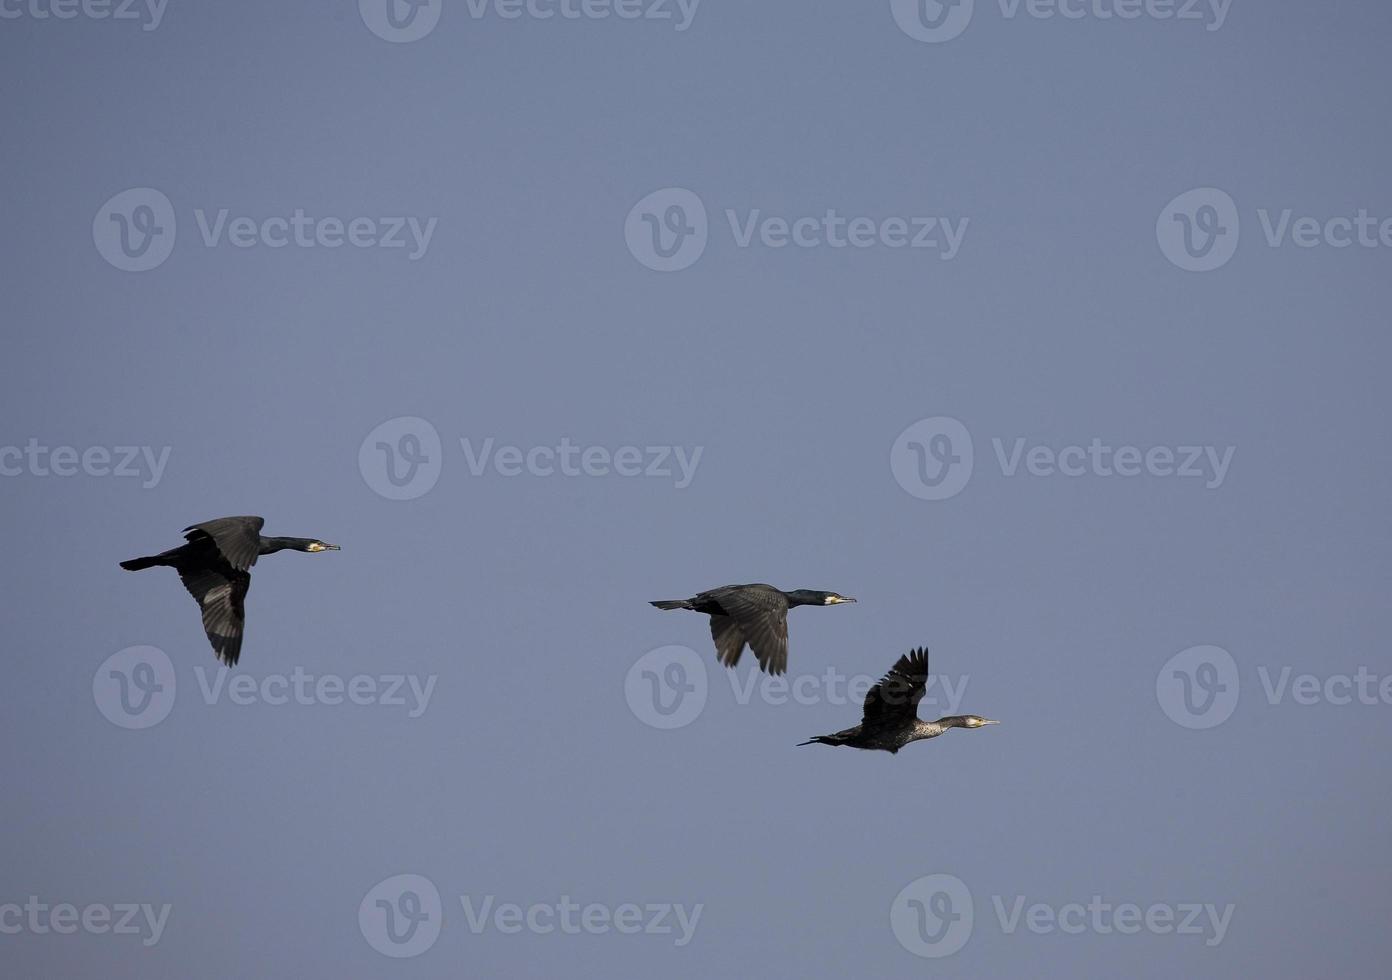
(743, 616)
(220, 591)
(214, 565)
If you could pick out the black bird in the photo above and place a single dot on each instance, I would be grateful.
(214, 568)
(890, 719)
(753, 614)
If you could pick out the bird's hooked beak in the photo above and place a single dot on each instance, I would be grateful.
(321, 546)
(832, 600)
(987, 721)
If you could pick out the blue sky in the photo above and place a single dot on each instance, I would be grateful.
(1054, 334)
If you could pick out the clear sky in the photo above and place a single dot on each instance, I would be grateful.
(694, 236)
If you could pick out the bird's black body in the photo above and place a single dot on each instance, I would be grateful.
(756, 615)
(215, 567)
(890, 718)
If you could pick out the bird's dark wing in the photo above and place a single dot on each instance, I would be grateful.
(219, 593)
(762, 617)
(729, 641)
(895, 698)
(238, 539)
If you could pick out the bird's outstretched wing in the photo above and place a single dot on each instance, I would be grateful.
(220, 593)
(761, 616)
(729, 641)
(238, 539)
(895, 698)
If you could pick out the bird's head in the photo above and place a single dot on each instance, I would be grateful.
(976, 721)
(313, 545)
(816, 597)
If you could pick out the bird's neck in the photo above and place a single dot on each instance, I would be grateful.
(799, 597)
(270, 546)
(932, 729)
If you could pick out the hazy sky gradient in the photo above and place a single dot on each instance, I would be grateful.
(527, 319)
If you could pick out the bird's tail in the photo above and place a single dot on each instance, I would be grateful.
(149, 561)
(152, 560)
(821, 740)
(673, 603)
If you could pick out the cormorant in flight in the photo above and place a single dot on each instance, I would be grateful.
(890, 719)
(753, 614)
(214, 566)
